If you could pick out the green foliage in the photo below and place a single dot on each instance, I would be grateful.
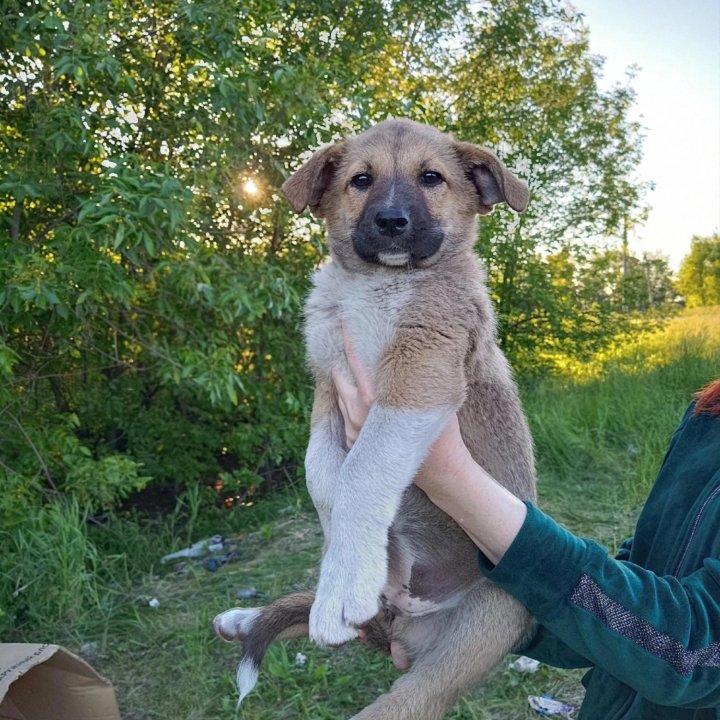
(53, 565)
(568, 306)
(101, 483)
(150, 304)
(699, 276)
(528, 86)
(151, 276)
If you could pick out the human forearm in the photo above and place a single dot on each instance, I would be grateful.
(491, 515)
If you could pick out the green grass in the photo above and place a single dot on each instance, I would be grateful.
(600, 434)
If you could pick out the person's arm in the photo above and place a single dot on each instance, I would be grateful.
(623, 552)
(658, 634)
(548, 648)
(489, 513)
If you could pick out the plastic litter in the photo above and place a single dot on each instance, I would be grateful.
(90, 650)
(300, 659)
(545, 705)
(196, 550)
(154, 603)
(524, 665)
(214, 563)
(249, 593)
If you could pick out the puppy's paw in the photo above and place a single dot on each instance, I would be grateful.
(235, 624)
(327, 627)
(347, 597)
(366, 582)
(360, 605)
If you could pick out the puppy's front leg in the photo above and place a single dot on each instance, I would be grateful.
(380, 466)
(325, 452)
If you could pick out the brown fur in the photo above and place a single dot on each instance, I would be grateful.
(442, 353)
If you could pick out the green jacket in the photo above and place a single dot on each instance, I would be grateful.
(647, 622)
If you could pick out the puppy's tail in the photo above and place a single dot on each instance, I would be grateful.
(256, 628)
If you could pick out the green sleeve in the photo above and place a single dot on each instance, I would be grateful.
(658, 635)
(547, 647)
(624, 550)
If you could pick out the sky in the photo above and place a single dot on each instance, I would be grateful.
(676, 44)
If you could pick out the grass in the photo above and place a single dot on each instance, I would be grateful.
(600, 433)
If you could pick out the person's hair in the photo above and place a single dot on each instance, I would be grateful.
(707, 401)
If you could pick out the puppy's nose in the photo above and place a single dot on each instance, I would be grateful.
(392, 221)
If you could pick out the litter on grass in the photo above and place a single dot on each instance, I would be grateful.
(217, 561)
(524, 665)
(197, 550)
(249, 593)
(547, 706)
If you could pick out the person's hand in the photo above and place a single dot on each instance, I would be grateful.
(355, 395)
(447, 458)
(355, 398)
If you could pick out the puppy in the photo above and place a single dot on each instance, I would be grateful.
(400, 203)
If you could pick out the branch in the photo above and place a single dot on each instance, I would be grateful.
(57, 222)
(45, 469)
(150, 348)
(16, 216)
(154, 33)
(7, 468)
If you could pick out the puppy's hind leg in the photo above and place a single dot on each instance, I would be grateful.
(458, 649)
(284, 619)
(257, 628)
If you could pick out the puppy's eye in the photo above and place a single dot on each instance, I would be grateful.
(361, 180)
(431, 178)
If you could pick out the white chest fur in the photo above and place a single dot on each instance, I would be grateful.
(357, 496)
(368, 308)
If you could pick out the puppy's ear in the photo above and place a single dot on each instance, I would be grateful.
(493, 181)
(306, 186)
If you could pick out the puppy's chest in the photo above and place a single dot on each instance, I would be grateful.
(368, 309)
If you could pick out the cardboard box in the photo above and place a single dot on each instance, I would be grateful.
(47, 682)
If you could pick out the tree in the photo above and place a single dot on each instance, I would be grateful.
(152, 278)
(699, 275)
(527, 85)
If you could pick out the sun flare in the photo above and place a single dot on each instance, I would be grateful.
(250, 188)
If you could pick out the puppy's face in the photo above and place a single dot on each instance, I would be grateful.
(401, 194)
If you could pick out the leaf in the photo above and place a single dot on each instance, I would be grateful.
(149, 244)
(52, 22)
(119, 235)
(50, 296)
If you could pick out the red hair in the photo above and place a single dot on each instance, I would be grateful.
(708, 399)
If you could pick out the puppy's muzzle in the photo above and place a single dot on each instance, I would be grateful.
(396, 235)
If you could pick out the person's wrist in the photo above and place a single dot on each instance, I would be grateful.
(442, 474)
